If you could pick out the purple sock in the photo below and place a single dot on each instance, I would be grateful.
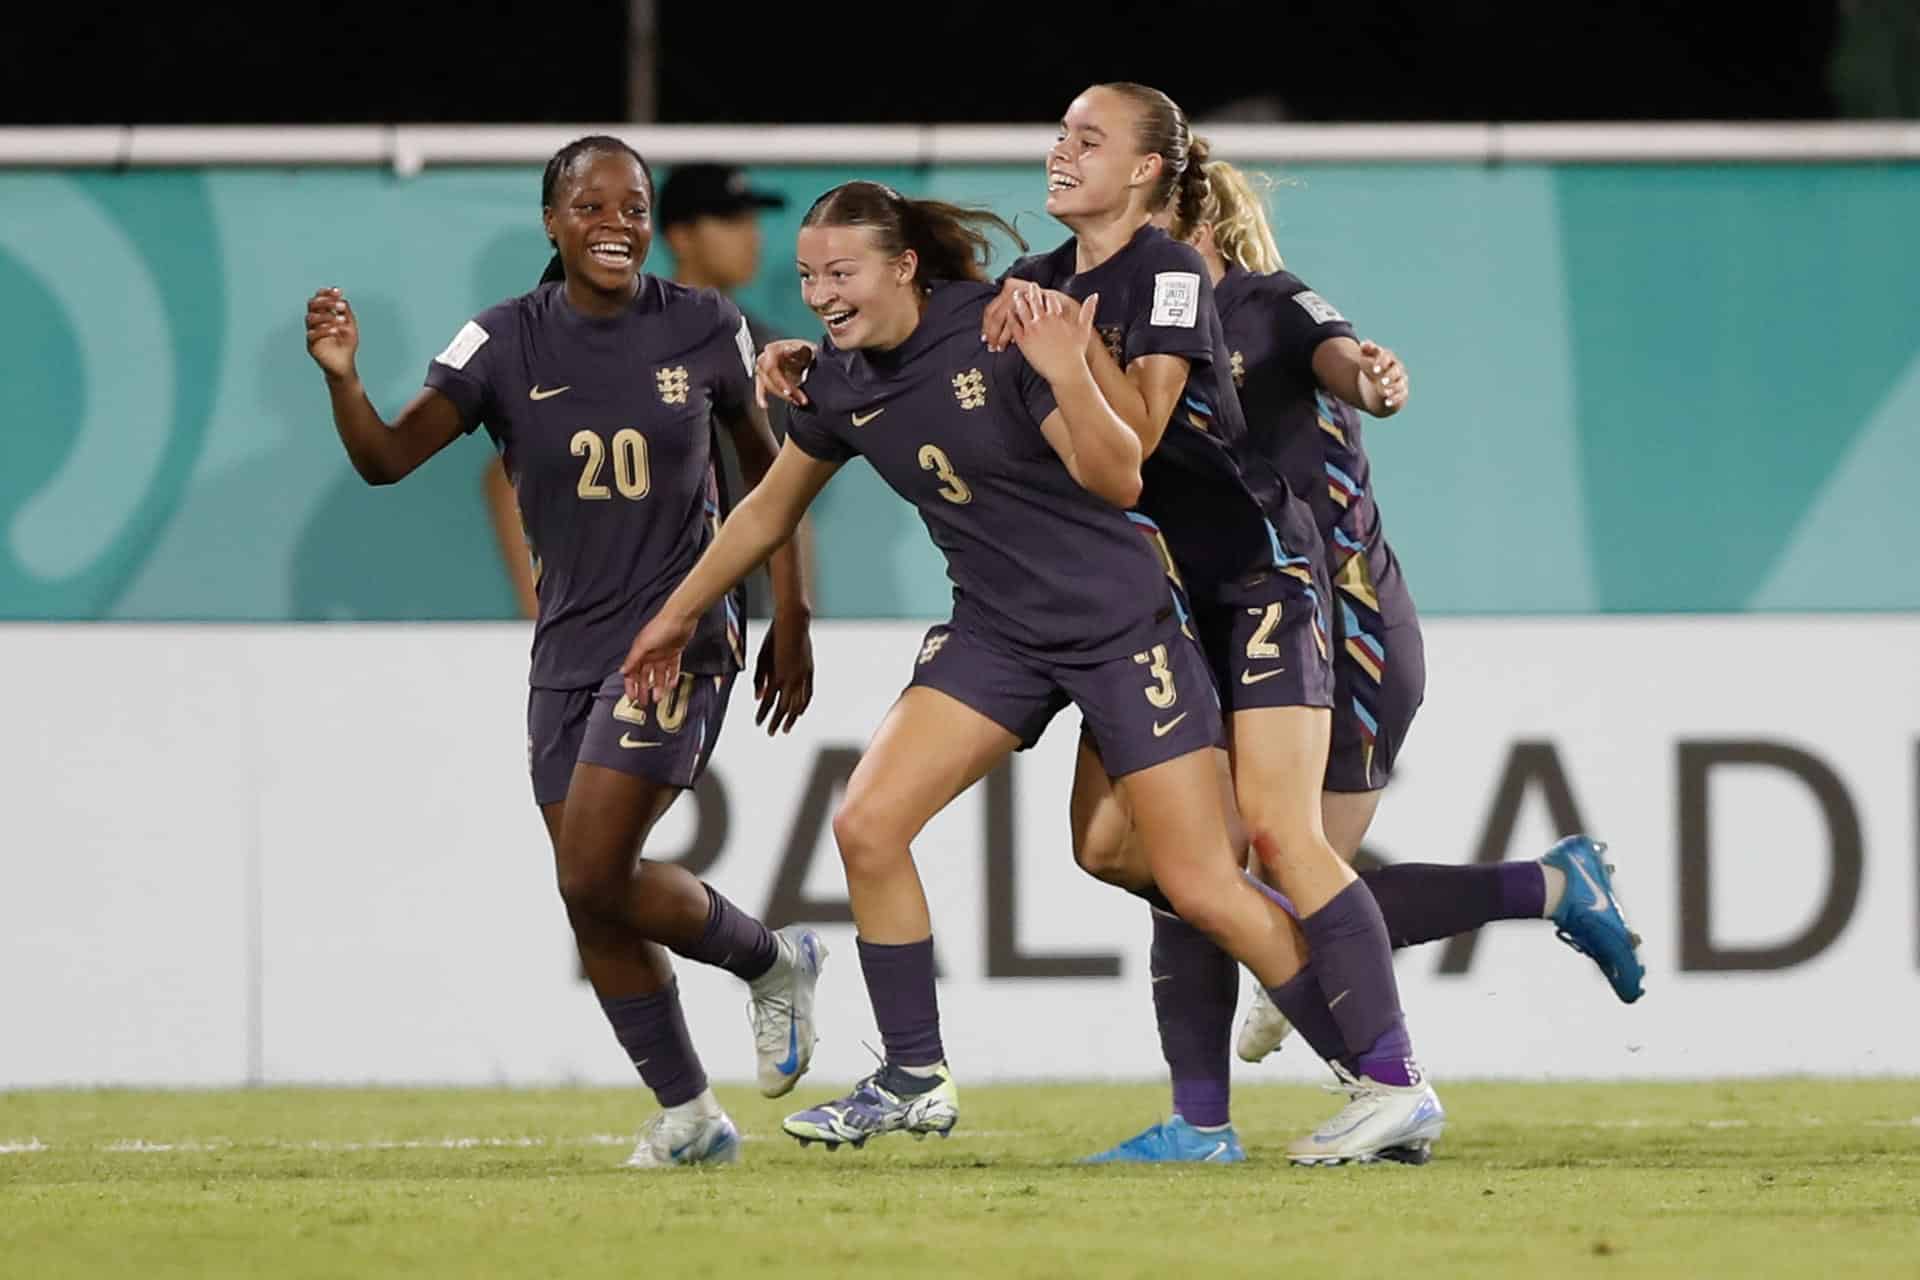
(1423, 902)
(1353, 960)
(733, 940)
(1195, 985)
(1300, 999)
(900, 985)
(653, 1031)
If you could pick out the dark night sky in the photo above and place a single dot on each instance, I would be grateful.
(1390, 60)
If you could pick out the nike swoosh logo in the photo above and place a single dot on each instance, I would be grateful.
(1162, 730)
(1158, 977)
(792, 1062)
(1599, 895)
(861, 421)
(1337, 999)
(535, 393)
(1219, 1149)
(1247, 677)
(626, 740)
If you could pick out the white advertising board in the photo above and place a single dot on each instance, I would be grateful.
(308, 854)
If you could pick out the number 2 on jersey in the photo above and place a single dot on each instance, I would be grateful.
(630, 472)
(1258, 645)
(952, 487)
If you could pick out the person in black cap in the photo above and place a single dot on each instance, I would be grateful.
(709, 217)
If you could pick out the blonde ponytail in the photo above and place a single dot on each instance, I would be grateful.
(1238, 214)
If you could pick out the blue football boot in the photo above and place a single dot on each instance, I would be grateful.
(1175, 1142)
(1588, 918)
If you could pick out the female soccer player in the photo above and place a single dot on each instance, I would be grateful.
(1124, 151)
(1020, 468)
(1302, 374)
(598, 392)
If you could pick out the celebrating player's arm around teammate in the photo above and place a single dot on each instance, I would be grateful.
(1302, 375)
(600, 392)
(1019, 467)
(1258, 590)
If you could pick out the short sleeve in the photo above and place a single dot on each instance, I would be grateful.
(1175, 297)
(1301, 320)
(733, 381)
(464, 372)
(806, 429)
(1036, 393)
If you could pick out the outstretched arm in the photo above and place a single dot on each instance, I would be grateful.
(762, 522)
(380, 452)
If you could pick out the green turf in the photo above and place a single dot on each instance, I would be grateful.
(1790, 1178)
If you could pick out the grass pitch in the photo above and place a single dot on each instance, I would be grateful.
(1791, 1178)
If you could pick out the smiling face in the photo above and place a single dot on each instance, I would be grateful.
(601, 220)
(865, 296)
(1096, 168)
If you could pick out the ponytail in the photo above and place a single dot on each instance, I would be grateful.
(1241, 230)
(951, 241)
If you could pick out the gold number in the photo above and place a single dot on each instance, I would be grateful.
(1162, 695)
(1159, 542)
(630, 471)
(673, 707)
(630, 463)
(952, 487)
(630, 711)
(1259, 646)
(586, 444)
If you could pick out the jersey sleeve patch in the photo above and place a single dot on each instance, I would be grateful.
(469, 340)
(1176, 299)
(1322, 311)
(744, 341)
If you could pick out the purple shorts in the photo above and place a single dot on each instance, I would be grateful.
(1141, 710)
(1266, 641)
(1379, 667)
(669, 743)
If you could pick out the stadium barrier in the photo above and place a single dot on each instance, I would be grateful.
(308, 854)
(1603, 324)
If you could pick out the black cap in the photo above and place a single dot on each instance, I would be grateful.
(710, 191)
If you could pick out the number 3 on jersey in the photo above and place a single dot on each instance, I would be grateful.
(952, 487)
(1163, 694)
(629, 464)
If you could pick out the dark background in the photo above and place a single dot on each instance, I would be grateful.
(1306, 60)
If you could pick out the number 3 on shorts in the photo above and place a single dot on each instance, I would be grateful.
(1162, 695)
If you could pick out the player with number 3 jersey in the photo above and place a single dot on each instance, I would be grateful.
(1020, 469)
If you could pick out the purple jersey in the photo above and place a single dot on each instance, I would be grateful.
(1273, 324)
(1224, 513)
(1037, 562)
(605, 426)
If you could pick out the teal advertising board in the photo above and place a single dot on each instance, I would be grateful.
(1675, 388)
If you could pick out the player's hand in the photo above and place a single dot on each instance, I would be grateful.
(1383, 381)
(781, 368)
(783, 674)
(653, 660)
(1053, 331)
(997, 325)
(333, 335)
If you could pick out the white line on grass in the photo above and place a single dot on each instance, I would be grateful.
(143, 1146)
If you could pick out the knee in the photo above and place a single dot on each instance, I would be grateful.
(588, 887)
(1103, 855)
(871, 841)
